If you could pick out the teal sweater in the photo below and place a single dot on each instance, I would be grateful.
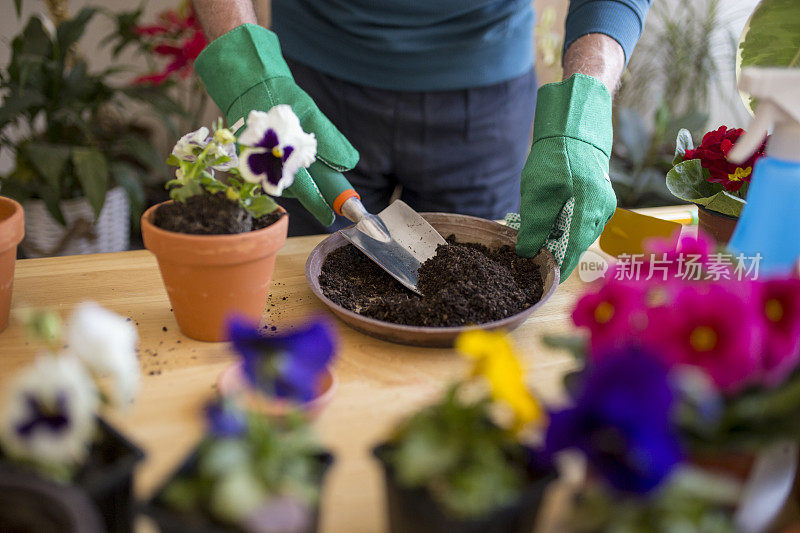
(418, 45)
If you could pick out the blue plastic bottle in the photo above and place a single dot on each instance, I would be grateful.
(770, 222)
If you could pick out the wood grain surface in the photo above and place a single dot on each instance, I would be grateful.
(378, 382)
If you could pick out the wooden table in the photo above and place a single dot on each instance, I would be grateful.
(378, 382)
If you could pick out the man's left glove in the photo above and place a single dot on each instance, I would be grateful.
(567, 196)
(245, 70)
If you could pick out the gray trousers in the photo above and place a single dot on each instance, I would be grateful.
(451, 151)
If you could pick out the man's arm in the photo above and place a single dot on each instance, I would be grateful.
(596, 55)
(600, 36)
(218, 17)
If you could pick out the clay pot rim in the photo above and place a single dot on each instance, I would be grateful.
(715, 213)
(232, 381)
(189, 237)
(12, 228)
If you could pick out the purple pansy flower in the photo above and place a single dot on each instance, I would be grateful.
(287, 366)
(622, 421)
(53, 419)
(224, 420)
(274, 148)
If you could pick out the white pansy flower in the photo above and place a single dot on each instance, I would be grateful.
(187, 145)
(224, 150)
(106, 342)
(275, 147)
(49, 415)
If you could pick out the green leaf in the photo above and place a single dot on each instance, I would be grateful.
(694, 121)
(69, 31)
(91, 169)
(688, 181)
(683, 143)
(48, 160)
(139, 150)
(157, 98)
(172, 160)
(261, 205)
(34, 40)
(18, 7)
(186, 191)
(129, 178)
(14, 106)
(632, 133)
(771, 37)
(726, 203)
(52, 200)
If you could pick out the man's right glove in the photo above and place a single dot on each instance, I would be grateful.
(245, 70)
(567, 196)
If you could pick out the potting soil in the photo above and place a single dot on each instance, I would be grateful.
(210, 214)
(464, 283)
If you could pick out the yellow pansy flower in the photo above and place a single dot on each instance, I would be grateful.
(496, 360)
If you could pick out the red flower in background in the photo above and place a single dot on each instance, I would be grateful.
(713, 155)
(177, 36)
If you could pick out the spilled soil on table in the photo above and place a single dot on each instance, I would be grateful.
(463, 284)
(210, 214)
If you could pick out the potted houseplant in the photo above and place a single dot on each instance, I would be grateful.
(49, 423)
(460, 464)
(255, 471)
(12, 229)
(216, 240)
(168, 45)
(80, 163)
(732, 389)
(705, 177)
(256, 379)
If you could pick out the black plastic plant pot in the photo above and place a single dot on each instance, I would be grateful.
(172, 521)
(29, 503)
(415, 510)
(106, 479)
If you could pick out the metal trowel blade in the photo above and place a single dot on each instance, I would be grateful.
(398, 239)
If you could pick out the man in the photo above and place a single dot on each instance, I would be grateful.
(438, 98)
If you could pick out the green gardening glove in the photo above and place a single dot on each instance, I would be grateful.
(244, 70)
(566, 192)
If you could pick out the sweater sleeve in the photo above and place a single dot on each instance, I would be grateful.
(622, 20)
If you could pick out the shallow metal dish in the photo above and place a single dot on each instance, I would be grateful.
(466, 229)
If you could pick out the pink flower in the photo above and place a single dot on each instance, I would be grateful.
(611, 314)
(679, 257)
(712, 326)
(180, 38)
(779, 304)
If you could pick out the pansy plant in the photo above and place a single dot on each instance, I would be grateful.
(48, 418)
(467, 449)
(256, 471)
(265, 157)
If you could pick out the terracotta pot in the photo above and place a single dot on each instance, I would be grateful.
(735, 465)
(12, 229)
(716, 225)
(210, 277)
(232, 383)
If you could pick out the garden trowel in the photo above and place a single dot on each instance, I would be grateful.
(397, 238)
